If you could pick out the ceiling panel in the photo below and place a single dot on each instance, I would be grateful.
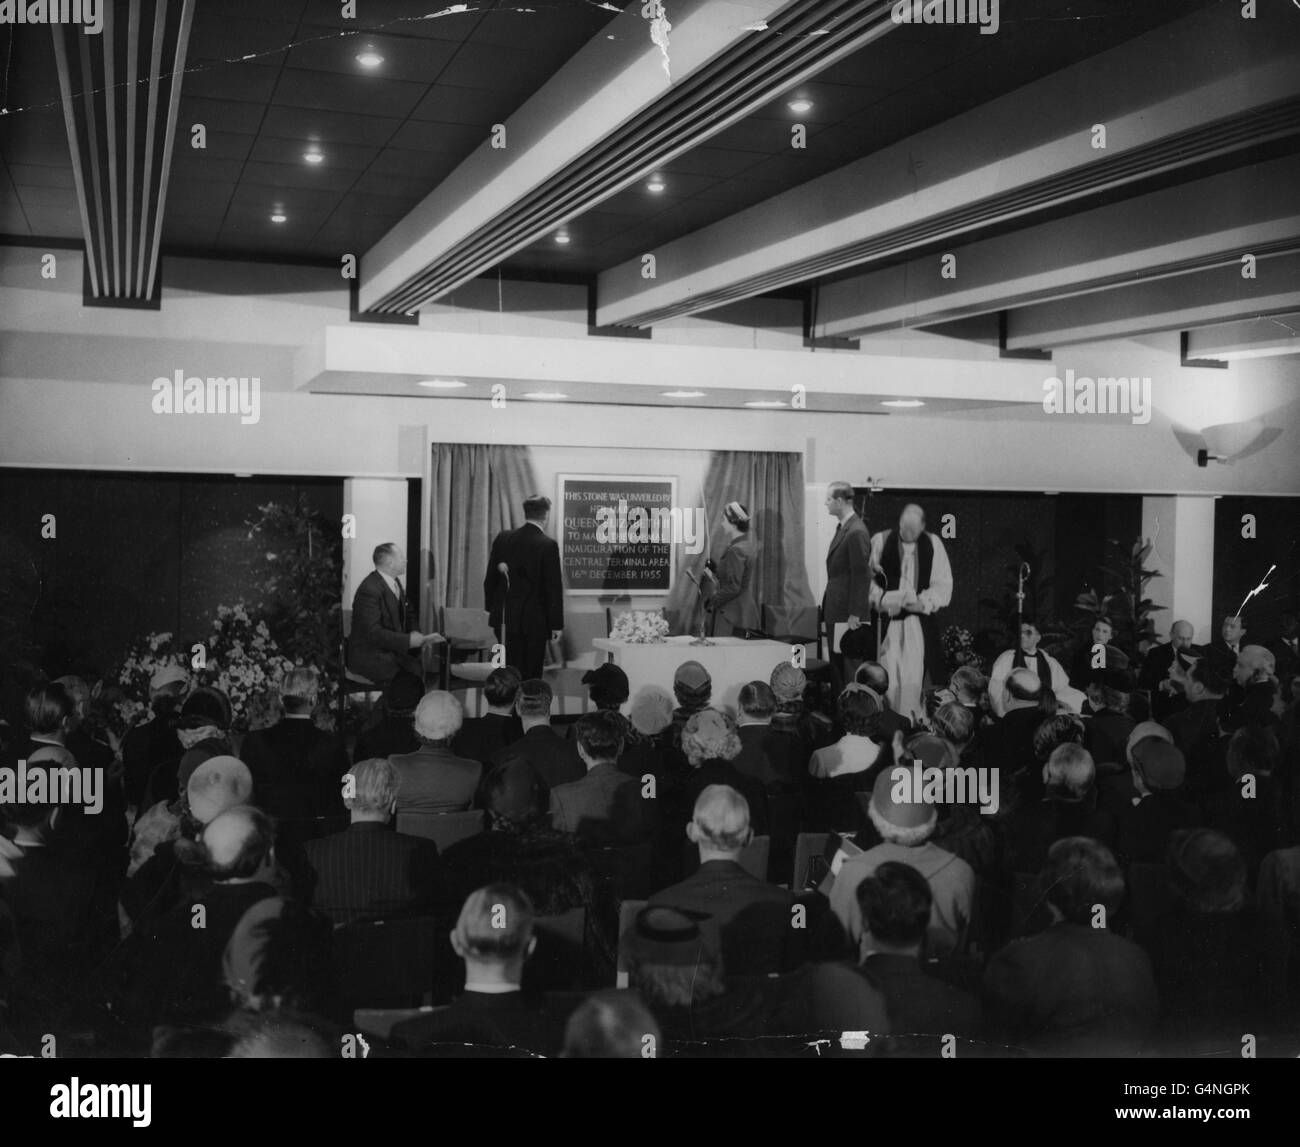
(306, 123)
(447, 103)
(417, 60)
(374, 95)
(311, 177)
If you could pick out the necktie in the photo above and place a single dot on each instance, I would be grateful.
(401, 600)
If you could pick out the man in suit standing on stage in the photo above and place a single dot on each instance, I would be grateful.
(523, 589)
(848, 574)
(380, 643)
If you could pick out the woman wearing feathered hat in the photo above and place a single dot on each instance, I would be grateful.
(732, 604)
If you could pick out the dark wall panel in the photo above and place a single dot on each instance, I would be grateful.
(1241, 563)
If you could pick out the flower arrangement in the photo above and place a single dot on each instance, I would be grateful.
(959, 647)
(640, 627)
(239, 657)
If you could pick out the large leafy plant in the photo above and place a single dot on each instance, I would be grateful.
(1121, 596)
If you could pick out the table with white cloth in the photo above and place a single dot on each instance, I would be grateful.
(731, 662)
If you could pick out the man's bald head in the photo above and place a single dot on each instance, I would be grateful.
(1254, 663)
(721, 820)
(1180, 635)
(240, 844)
(911, 522)
(1024, 686)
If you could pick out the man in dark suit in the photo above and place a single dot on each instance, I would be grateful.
(895, 902)
(1165, 696)
(380, 643)
(1077, 988)
(876, 678)
(1223, 650)
(434, 779)
(1286, 648)
(770, 758)
(524, 590)
(1147, 823)
(605, 807)
(848, 575)
(554, 758)
(173, 968)
(753, 916)
(297, 769)
(493, 1017)
(481, 738)
(368, 871)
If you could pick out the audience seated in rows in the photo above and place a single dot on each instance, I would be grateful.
(433, 778)
(553, 757)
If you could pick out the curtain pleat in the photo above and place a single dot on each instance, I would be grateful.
(478, 491)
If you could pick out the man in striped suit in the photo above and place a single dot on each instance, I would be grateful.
(368, 871)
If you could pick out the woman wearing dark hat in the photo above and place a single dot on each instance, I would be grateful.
(732, 604)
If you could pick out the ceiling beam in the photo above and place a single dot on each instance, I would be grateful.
(1250, 338)
(1024, 157)
(1219, 295)
(607, 119)
(1173, 231)
(122, 189)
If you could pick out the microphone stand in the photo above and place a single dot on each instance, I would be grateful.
(702, 639)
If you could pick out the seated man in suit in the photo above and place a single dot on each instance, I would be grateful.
(1076, 989)
(555, 758)
(481, 738)
(174, 969)
(606, 807)
(297, 768)
(875, 677)
(494, 1016)
(753, 916)
(434, 779)
(369, 871)
(1159, 810)
(773, 759)
(895, 906)
(1155, 677)
(380, 643)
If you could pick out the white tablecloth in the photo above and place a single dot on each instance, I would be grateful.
(731, 662)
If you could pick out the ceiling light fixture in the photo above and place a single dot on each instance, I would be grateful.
(656, 184)
(313, 157)
(279, 217)
(765, 403)
(904, 402)
(561, 237)
(800, 105)
(546, 395)
(443, 384)
(369, 58)
(682, 393)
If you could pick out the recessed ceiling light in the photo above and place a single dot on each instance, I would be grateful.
(442, 383)
(800, 106)
(313, 157)
(682, 393)
(278, 217)
(369, 58)
(903, 402)
(546, 395)
(656, 184)
(766, 403)
(561, 237)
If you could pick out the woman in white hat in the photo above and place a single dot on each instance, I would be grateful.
(732, 604)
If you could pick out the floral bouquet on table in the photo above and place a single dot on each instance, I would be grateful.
(959, 647)
(641, 627)
(243, 661)
(125, 691)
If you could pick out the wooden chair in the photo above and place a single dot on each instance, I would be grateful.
(443, 828)
(754, 858)
(806, 846)
(801, 625)
(385, 963)
(353, 684)
(469, 638)
(626, 915)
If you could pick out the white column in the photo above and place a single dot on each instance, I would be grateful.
(1183, 529)
(378, 506)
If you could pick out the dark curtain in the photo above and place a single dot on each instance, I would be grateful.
(771, 486)
(477, 491)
